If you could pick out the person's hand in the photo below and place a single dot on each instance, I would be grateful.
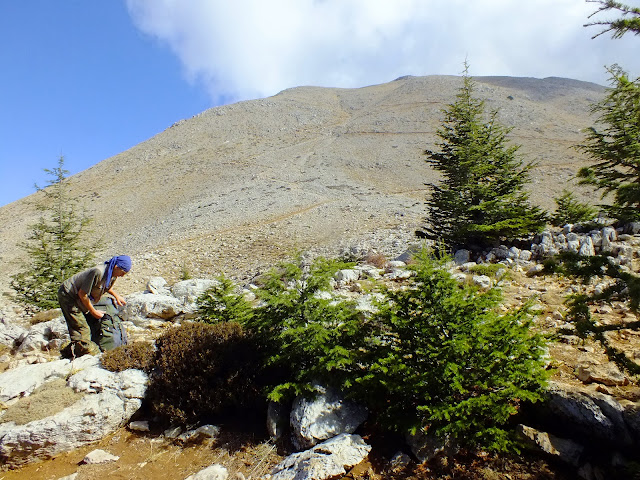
(99, 314)
(119, 300)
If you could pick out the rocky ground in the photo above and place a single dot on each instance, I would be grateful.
(246, 450)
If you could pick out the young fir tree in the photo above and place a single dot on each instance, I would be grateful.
(615, 147)
(56, 247)
(570, 210)
(444, 358)
(481, 198)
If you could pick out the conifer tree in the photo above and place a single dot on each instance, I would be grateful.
(57, 246)
(629, 22)
(481, 198)
(615, 147)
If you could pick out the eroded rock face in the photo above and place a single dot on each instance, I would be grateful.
(565, 449)
(110, 401)
(593, 416)
(22, 381)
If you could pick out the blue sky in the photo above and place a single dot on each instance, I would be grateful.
(88, 79)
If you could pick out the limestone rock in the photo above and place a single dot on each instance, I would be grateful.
(99, 456)
(158, 286)
(327, 460)
(325, 416)
(22, 381)
(111, 400)
(10, 333)
(213, 472)
(86, 421)
(565, 449)
(141, 306)
(607, 374)
(40, 336)
(188, 291)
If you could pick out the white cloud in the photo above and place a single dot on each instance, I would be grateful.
(255, 48)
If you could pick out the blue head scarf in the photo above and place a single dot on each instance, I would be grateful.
(122, 261)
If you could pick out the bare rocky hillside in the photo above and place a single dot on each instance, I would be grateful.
(239, 186)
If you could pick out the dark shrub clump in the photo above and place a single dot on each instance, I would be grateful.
(138, 355)
(201, 371)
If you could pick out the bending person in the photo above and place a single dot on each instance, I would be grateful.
(77, 296)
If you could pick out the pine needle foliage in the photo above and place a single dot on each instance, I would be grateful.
(57, 247)
(570, 210)
(222, 303)
(442, 359)
(481, 198)
(307, 333)
(628, 22)
(614, 145)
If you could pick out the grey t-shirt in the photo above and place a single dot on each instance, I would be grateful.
(91, 281)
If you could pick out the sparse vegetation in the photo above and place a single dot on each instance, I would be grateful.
(623, 286)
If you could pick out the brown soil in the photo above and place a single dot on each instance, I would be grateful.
(145, 456)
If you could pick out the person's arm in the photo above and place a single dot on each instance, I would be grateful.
(119, 300)
(84, 300)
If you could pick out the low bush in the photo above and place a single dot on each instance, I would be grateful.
(202, 371)
(489, 269)
(140, 355)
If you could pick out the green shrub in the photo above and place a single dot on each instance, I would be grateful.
(221, 303)
(202, 371)
(441, 358)
(489, 269)
(308, 335)
(570, 210)
(138, 355)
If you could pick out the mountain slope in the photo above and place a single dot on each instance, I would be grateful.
(238, 186)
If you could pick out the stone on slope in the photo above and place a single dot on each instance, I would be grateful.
(566, 450)
(142, 306)
(213, 472)
(325, 416)
(326, 460)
